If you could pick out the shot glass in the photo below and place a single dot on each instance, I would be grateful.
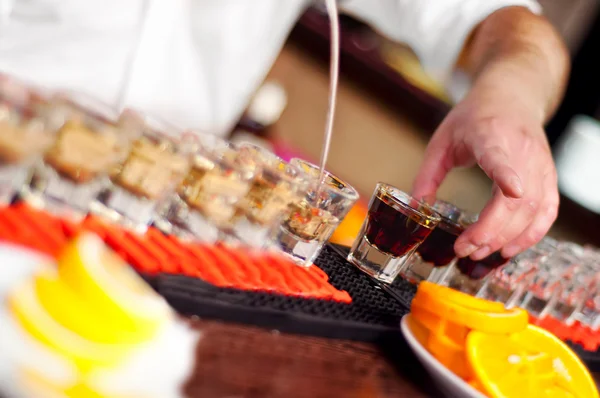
(395, 226)
(508, 283)
(204, 205)
(24, 136)
(310, 220)
(76, 166)
(589, 313)
(437, 251)
(275, 186)
(469, 276)
(570, 298)
(548, 281)
(148, 175)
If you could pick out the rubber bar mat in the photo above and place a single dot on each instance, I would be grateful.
(372, 314)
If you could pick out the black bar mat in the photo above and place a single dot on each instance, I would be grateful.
(373, 313)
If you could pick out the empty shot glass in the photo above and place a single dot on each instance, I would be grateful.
(575, 284)
(547, 282)
(437, 251)
(589, 313)
(311, 219)
(508, 283)
(396, 224)
(140, 183)
(204, 205)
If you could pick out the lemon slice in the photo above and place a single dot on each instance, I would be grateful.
(23, 353)
(62, 304)
(31, 316)
(531, 363)
(104, 281)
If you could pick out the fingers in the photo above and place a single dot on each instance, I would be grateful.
(493, 218)
(518, 221)
(544, 218)
(434, 168)
(513, 225)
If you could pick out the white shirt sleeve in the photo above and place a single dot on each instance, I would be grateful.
(435, 29)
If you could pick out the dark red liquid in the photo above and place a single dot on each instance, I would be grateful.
(479, 269)
(391, 231)
(438, 248)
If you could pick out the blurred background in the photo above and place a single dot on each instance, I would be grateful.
(388, 108)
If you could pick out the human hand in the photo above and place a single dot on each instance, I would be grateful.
(502, 133)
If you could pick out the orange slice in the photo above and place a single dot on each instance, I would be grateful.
(530, 363)
(439, 307)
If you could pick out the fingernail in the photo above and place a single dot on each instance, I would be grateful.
(465, 249)
(511, 251)
(481, 253)
(516, 183)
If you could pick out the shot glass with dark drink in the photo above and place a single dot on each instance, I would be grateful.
(468, 275)
(437, 251)
(395, 226)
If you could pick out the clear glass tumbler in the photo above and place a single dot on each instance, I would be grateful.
(310, 220)
(205, 204)
(154, 166)
(24, 137)
(276, 184)
(76, 167)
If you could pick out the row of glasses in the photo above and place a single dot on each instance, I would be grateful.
(73, 155)
(82, 156)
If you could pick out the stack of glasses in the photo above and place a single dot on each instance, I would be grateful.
(405, 237)
(73, 156)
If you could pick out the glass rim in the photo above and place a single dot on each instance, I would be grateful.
(91, 106)
(289, 173)
(434, 216)
(347, 190)
(218, 157)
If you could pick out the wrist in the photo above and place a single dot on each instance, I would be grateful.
(519, 85)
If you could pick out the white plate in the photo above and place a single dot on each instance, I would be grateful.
(16, 264)
(450, 384)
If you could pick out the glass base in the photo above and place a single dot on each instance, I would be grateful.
(536, 306)
(302, 252)
(456, 280)
(416, 270)
(252, 234)
(62, 196)
(493, 291)
(438, 274)
(13, 178)
(187, 224)
(122, 207)
(381, 266)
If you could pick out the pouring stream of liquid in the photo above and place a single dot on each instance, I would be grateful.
(333, 76)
